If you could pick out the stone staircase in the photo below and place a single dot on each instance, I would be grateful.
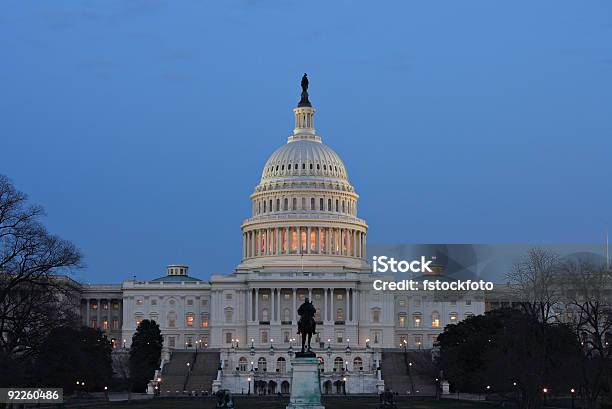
(406, 379)
(175, 373)
(204, 372)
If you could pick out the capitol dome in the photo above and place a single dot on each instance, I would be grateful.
(304, 158)
(304, 209)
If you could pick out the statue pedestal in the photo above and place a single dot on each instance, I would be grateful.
(305, 384)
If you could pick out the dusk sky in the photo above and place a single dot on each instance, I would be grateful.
(142, 126)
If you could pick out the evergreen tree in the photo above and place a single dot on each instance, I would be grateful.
(75, 354)
(145, 354)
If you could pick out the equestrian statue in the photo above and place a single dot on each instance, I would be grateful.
(306, 326)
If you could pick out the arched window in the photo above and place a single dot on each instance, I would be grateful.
(435, 319)
(339, 314)
(229, 314)
(321, 204)
(243, 364)
(294, 204)
(338, 364)
(281, 364)
(329, 205)
(171, 319)
(265, 315)
(312, 203)
(375, 315)
(262, 365)
(286, 204)
(286, 314)
(357, 364)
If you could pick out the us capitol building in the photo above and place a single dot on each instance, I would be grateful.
(303, 240)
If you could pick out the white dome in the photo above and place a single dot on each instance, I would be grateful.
(304, 158)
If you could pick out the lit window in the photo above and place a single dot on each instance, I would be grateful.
(204, 320)
(402, 320)
(189, 320)
(339, 314)
(94, 306)
(265, 297)
(453, 317)
(416, 319)
(286, 296)
(435, 320)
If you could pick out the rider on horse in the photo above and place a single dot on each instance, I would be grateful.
(306, 324)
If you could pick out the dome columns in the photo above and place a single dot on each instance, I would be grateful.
(299, 239)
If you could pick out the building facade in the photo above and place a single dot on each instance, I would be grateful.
(304, 239)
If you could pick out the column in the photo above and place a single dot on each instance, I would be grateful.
(87, 313)
(355, 295)
(278, 304)
(307, 240)
(287, 242)
(98, 314)
(310, 294)
(294, 315)
(257, 305)
(273, 304)
(325, 290)
(353, 245)
(109, 321)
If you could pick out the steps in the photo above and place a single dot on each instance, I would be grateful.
(406, 379)
(174, 374)
(204, 372)
(178, 378)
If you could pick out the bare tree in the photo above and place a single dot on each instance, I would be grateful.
(588, 291)
(33, 297)
(534, 281)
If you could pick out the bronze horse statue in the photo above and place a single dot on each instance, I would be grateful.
(306, 325)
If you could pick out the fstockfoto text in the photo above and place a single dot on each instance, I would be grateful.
(432, 285)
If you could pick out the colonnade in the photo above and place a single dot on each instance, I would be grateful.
(279, 299)
(275, 241)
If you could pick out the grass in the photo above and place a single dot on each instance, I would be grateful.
(270, 402)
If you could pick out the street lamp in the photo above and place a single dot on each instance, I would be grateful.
(544, 392)
(249, 381)
(573, 392)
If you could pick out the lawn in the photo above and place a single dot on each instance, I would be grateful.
(345, 402)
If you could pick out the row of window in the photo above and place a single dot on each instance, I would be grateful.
(264, 206)
(281, 364)
(94, 305)
(172, 318)
(172, 301)
(417, 302)
(105, 324)
(171, 341)
(332, 170)
(435, 319)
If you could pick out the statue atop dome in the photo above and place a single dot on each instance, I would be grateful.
(304, 102)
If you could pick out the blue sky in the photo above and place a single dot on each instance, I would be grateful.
(142, 126)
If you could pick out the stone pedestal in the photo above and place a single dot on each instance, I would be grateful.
(305, 385)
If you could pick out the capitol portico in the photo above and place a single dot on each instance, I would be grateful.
(303, 240)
